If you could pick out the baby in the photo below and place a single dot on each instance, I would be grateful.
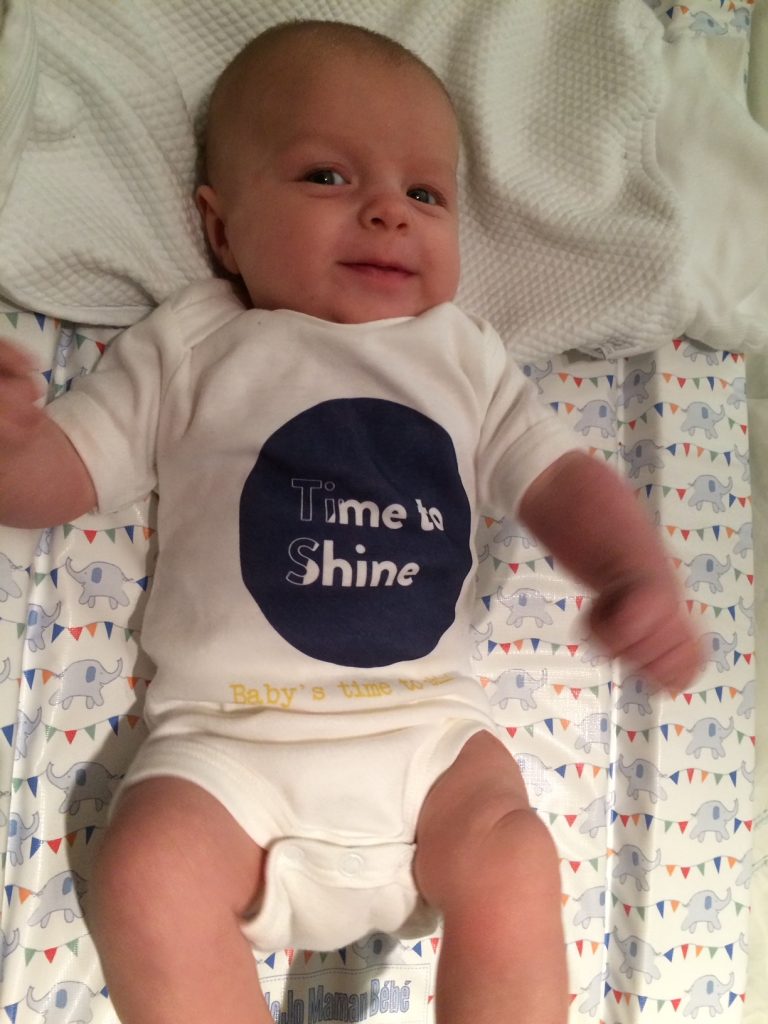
(322, 427)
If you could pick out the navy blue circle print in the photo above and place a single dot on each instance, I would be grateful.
(355, 532)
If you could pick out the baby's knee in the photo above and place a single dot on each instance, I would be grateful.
(522, 835)
(508, 848)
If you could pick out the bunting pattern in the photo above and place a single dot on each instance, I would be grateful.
(649, 799)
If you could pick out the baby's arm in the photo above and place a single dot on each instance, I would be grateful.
(591, 522)
(43, 481)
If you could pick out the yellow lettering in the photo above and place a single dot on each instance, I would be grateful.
(244, 694)
(356, 689)
(440, 680)
(412, 684)
(274, 696)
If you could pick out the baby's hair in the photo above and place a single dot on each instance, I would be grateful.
(331, 35)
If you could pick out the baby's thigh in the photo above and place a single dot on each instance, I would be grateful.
(171, 841)
(481, 788)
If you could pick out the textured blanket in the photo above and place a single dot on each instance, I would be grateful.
(576, 230)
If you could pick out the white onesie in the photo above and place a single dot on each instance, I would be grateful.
(319, 487)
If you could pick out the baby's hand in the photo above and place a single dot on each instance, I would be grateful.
(642, 621)
(19, 416)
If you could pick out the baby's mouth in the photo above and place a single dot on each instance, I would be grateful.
(375, 268)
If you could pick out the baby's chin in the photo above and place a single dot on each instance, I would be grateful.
(364, 312)
(348, 308)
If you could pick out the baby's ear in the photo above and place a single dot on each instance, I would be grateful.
(209, 206)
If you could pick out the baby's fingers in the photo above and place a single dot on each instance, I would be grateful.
(646, 626)
(19, 391)
(670, 659)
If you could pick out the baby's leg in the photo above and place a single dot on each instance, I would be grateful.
(171, 883)
(489, 864)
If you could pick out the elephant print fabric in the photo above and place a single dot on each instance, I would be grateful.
(649, 799)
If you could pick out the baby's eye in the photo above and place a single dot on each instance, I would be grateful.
(325, 176)
(423, 195)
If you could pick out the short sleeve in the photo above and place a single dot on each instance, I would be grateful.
(111, 415)
(520, 438)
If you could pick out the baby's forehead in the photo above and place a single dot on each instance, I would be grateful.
(275, 70)
(281, 76)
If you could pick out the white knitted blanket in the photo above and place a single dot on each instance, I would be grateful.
(574, 235)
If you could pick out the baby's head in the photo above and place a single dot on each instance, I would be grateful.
(330, 169)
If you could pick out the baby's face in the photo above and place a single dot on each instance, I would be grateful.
(339, 195)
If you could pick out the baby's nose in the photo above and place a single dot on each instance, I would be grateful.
(386, 210)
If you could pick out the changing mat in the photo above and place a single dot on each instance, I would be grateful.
(575, 163)
(649, 800)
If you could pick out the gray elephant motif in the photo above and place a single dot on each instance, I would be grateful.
(38, 620)
(744, 876)
(706, 993)
(25, 727)
(7, 946)
(634, 386)
(591, 905)
(597, 415)
(743, 459)
(69, 1002)
(741, 21)
(737, 395)
(594, 729)
(595, 816)
(639, 957)
(706, 570)
(84, 781)
(65, 346)
(525, 603)
(744, 543)
(708, 734)
(84, 680)
(634, 694)
(536, 373)
(18, 833)
(8, 585)
(692, 351)
(534, 773)
(511, 530)
(716, 649)
(700, 416)
(748, 611)
(519, 685)
(747, 703)
(644, 777)
(633, 863)
(712, 819)
(591, 656)
(703, 24)
(707, 489)
(749, 776)
(643, 455)
(375, 948)
(60, 895)
(479, 639)
(100, 580)
(704, 908)
(45, 541)
(593, 994)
